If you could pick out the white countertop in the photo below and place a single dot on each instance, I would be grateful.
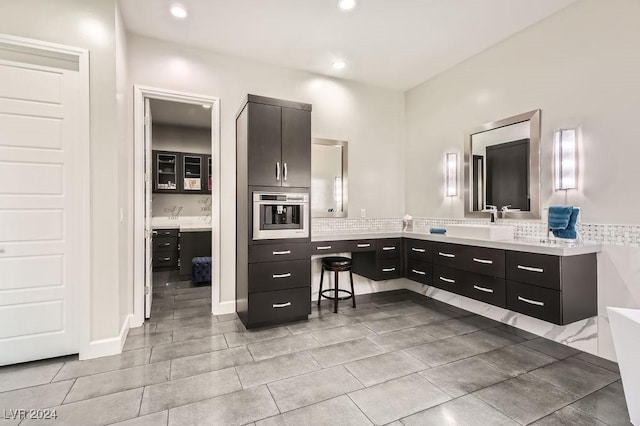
(530, 246)
(184, 224)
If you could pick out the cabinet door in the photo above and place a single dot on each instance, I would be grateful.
(296, 148)
(193, 173)
(264, 145)
(166, 171)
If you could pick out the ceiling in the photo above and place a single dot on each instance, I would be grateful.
(396, 44)
(180, 114)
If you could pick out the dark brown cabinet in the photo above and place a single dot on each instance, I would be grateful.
(378, 261)
(164, 243)
(166, 172)
(193, 244)
(181, 173)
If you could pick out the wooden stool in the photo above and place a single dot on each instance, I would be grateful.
(336, 264)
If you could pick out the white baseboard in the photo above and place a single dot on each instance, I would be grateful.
(108, 346)
(228, 307)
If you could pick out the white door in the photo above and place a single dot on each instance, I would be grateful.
(148, 251)
(40, 211)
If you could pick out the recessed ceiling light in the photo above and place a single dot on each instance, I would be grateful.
(206, 106)
(346, 4)
(339, 64)
(178, 11)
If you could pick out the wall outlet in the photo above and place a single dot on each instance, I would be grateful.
(363, 213)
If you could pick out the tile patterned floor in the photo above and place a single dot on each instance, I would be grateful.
(400, 358)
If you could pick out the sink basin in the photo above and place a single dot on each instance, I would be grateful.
(481, 232)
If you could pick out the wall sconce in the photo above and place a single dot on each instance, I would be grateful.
(566, 159)
(451, 174)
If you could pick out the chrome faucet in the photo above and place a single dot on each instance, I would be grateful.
(493, 210)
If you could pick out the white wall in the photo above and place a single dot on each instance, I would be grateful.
(371, 119)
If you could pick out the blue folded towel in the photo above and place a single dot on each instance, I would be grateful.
(559, 217)
(438, 231)
(570, 231)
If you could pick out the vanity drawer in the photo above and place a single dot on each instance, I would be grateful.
(278, 252)
(418, 249)
(164, 233)
(360, 245)
(269, 276)
(483, 260)
(419, 271)
(487, 289)
(279, 306)
(451, 255)
(322, 247)
(449, 279)
(538, 269)
(389, 248)
(389, 269)
(165, 243)
(534, 301)
(165, 259)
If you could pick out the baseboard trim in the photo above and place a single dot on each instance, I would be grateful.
(110, 345)
(228, 307)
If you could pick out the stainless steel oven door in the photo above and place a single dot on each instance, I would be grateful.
(278, 215)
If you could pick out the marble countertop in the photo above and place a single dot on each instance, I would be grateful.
(524, 245)
(184, 224)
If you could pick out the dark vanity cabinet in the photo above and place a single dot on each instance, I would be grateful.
(418, 260)
(165, 249)
(383, 263)
(278, 136)
(181, 173)
(193, 244)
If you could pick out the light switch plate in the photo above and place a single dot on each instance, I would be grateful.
(363, 213)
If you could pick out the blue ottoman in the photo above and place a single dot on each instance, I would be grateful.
(201, 269)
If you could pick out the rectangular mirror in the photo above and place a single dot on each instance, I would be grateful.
(329, 194)
(502, 168)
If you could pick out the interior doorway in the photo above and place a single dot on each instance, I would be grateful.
(177, 192)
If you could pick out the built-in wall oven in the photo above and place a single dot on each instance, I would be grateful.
(278, 215)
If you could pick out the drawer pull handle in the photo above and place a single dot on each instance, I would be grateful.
(287, 275)
(419, 250)
(166, 258)
(363, 245)
(276, 253)
(446, 254)
(388, 248)
(531, 269)
(485, 261)
(281, 305)
(532, 302)
(448, 280)
(415, 271)
(323, 248)
(486, 290)
(388, 269)
(166, 244)
(155, 232)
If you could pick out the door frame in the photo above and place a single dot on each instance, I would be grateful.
(140, 93)
(82, 289)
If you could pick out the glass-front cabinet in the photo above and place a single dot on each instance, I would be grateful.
(192, 179)
(165, 171)
(178, 172)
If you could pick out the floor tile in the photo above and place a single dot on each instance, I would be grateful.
(192, 303)
(117, 381)
(568, 416)
(575, 376)
(607, 404)
(480, 321)
(516, 359)
(397, 398)
(147, 340)
(274, 369)
(401, 339)
(211, 361)
(187, 322)
(42, 396)
(29, 374)
(281, 346)
(310, 388)
(341, 334)
(193, 295)
(449, 328)
(250, 336)
(128, 359)
(341, 353)
(517, 331)
(551, 348)
(191, 389)
(322, 323)
(187, 348)
(380, 368)
(600, 362)
(236, 408)
(340, 410)
(204, 330)
(428, 316)
(465, 376)
(486, 340)
(196, 311)
(444, 351)
(404, 308)
(96, 411)
(155, 419)
(227, 317)
(392, 324)
(146, 328)
(465, 411)
(525, 398)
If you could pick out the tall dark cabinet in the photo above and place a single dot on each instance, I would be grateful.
(273, 154)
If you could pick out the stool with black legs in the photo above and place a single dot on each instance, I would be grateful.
(336, 264)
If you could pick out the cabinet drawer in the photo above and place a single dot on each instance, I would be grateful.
(388, 269)
(165, 243)
(279, 306)
(278, 252)
(322, 247)
(418, 249)
(360, 245)
(449, 279)
(487, 289)
(269, 276)
(483, 260)
(165, 259)
(164, 233)
(534, 301)
(449, 254)
(538, 269)
(389, 248)
(419, 271)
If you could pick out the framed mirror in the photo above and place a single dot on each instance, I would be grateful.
(502, 168)
(329, 182)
